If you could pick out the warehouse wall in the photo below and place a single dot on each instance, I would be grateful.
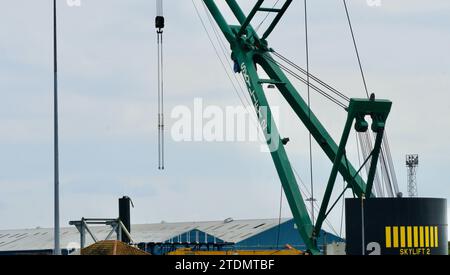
(289, 235)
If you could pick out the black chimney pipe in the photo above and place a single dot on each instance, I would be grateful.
(124, 216)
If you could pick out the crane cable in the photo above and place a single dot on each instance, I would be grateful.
(308, 84)
(279, 217)
(331, 98)
(387, 166)
(240, 95)
(312, 76)
(282, 191)
(364, 137)
(237, 88)
(160, 101)
(356, 48)
(303, 80)
(342, 208)
(265, 18)
(366, 145)
(223, 48)
(306, 194)
(216, 51)
(159, 24)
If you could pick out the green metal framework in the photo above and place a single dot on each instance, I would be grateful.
(249, 50)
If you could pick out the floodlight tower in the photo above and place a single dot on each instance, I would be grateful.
(412, 163)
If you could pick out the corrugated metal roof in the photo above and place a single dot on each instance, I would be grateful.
(42, 239)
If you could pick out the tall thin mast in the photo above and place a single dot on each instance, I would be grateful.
(57, 248)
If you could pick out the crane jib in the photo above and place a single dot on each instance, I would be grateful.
(249, 50)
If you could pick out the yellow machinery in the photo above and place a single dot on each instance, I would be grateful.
(188, 251)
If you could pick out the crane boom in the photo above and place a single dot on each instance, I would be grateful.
(248, 51)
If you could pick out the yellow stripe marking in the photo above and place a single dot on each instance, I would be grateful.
(410, 236)
(432, 236)
(395, 236)
(436, 236)
(422, 243)
(402, 237)
(416, 237)
(427, 236)
(388, 237)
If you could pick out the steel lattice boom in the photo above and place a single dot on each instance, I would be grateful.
(248, 51)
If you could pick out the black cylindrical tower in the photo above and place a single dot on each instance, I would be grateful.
(397, 226)
(124, 216)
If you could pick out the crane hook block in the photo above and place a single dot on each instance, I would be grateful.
(159, 22)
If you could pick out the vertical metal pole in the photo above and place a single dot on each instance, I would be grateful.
(363, 229)
(119, 231)
(374, 162)
(57, 249)
(82, 234)
(311, 161)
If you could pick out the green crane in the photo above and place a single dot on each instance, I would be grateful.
(250, 50)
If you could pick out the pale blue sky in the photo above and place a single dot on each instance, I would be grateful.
(108, 106)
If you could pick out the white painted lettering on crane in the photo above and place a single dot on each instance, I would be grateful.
(263, 113)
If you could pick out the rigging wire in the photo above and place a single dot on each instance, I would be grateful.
(303, 80)
(223, 48)
(356, 48)
(285, 68)
(265, 18)
(305, 193)
(384, 172)
(217, 53)
(342, 208)
(357, 146)
(238, 89)
(366, 148)
(279, 218)
(308, 84)
(387, 166)
(315, 78)
(391, 164)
